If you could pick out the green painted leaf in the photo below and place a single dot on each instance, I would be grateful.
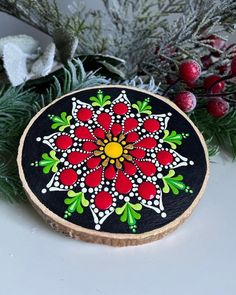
(49, 162)
(84, 201)
(76, 203)
(143, 106)
(174, 183)
(173, 138)
(135, 214)
(100, 100)
(124, 216)
(136, 207)
(60, 122)
(120, 210)
(129, 214)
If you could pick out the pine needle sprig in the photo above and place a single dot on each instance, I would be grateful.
(74, 78)
(220, 133)
(39, 14)
(16, 109)
(138, 82)
(46, 16)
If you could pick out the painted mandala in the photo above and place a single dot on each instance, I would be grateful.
(112, 156)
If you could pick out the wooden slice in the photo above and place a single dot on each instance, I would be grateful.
(114, 165)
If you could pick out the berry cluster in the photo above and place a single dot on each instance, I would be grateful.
(211, 87)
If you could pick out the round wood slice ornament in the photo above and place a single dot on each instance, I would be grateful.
(113, 165)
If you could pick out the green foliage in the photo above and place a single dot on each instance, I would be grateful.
(147, 84)
(134, 27)
(108, 65)
(74, 77)
(43, 15)
(76, 203)
(186, 37)
(220, 133)
(143, 107)
(139, 31)
(129, 214)
(77, 30)
(16, 109)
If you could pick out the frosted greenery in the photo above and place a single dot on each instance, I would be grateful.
(138, 31)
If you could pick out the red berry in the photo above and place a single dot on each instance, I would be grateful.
(186, 101)
(217, 107)
(210, 80)
(189, 70)
(233, 66)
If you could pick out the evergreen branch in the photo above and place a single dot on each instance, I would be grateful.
(46, 16)
(134, 25)
(40, 14)
(219, 133)
(16, 109)
(186, 37)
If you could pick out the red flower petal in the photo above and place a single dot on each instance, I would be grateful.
(110, 172)
(89, 146)
(120, 108)
(84, 114)
(94, 178)
(116, 129)
(132, 137)
(64, 142)
(147, 168)
(77, 157)
(138, 153)
(130, 124)
(93, 162)
(123, 184)
(99, 133)
(147, 143)
(147, 190)
(68, 177)
(103, 200)
(129, 168)
(83, 133)
(165, 157)
(151, 125)
(104, 120)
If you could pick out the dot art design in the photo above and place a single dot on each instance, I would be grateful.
(110, 156)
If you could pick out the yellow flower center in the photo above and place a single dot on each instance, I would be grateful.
(113, 150)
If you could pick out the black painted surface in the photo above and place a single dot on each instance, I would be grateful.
(174, 205)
